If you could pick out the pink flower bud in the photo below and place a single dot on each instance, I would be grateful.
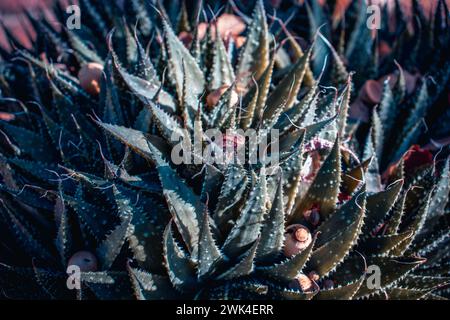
(213, 98)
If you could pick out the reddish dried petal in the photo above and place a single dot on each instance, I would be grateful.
(17, 6)
(318, 144)
(239, 41)
(213, 98)
(342, 197)
(411, 80)
(371, 92)
(339, 10)
(384, 49)
(5, 116)
(90, 76)
(202, 28)
(230, 23)
(417, 157)
(186, 38)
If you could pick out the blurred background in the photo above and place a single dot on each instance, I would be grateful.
(11, 13)
(11, 16)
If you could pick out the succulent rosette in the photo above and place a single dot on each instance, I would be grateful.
(88, 179)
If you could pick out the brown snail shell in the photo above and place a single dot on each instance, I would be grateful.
(298, 238)
(85, 260)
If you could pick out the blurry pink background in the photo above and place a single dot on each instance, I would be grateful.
(11, 17)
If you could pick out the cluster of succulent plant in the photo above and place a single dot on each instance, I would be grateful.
(86, 176)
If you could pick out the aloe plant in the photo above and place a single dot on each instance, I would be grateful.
(87, 177)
